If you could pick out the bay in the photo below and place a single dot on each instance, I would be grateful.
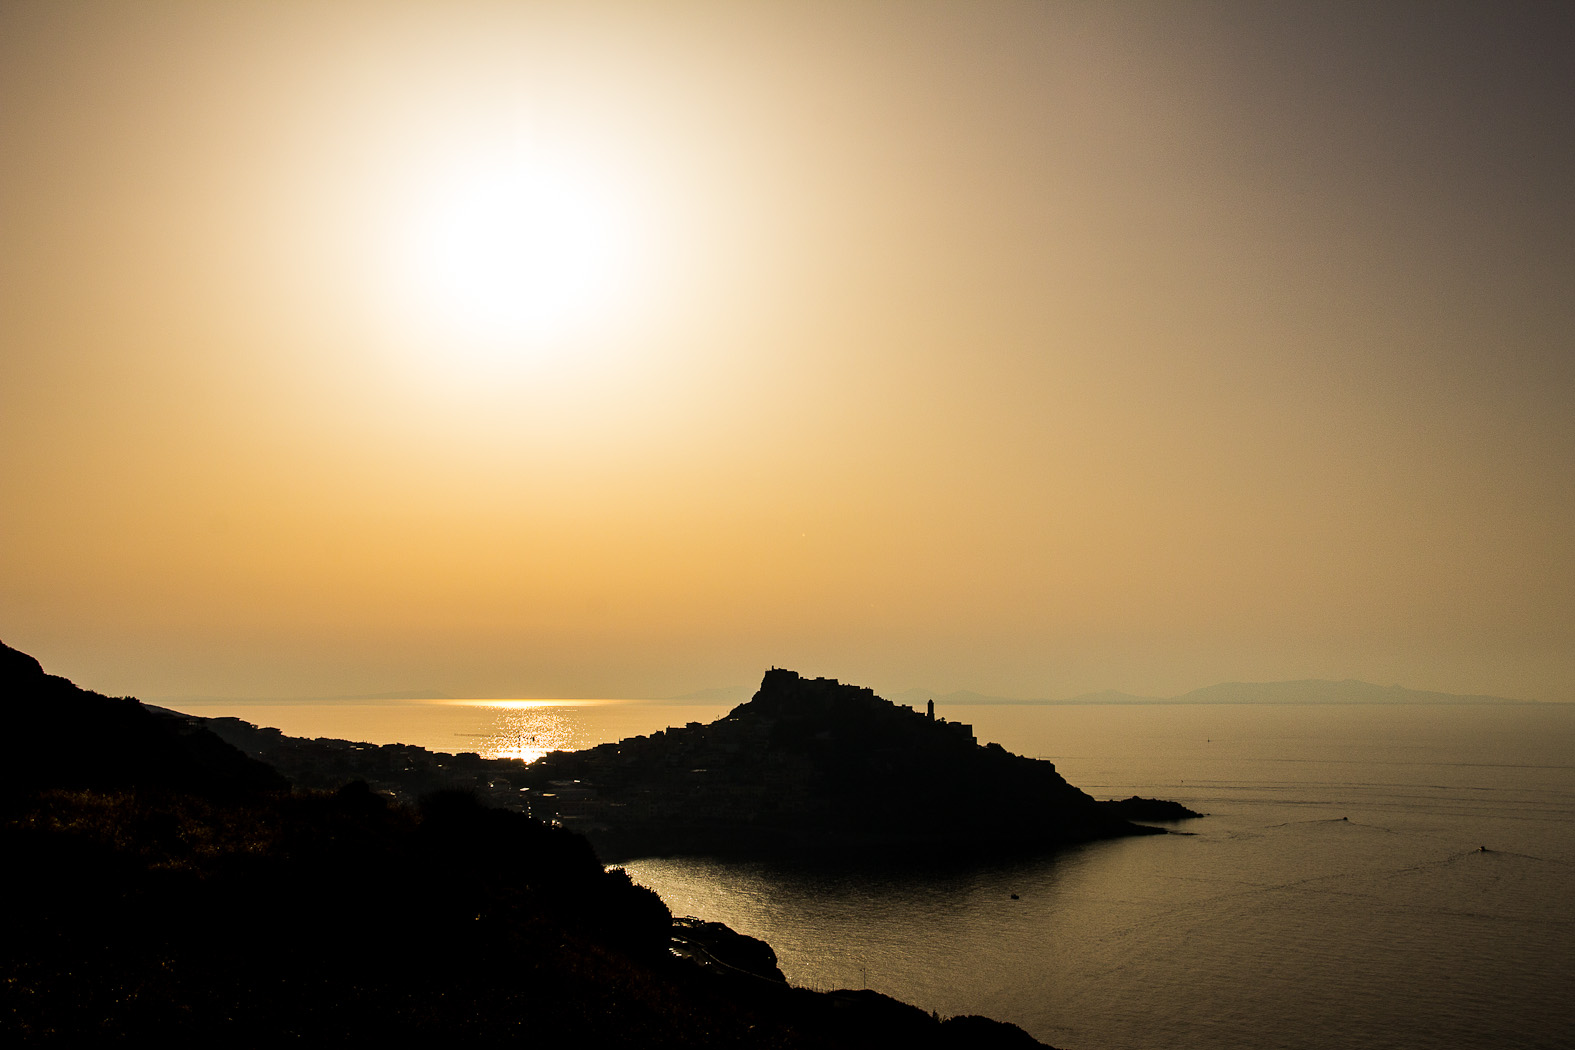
(1367, 876)
(1337, 893)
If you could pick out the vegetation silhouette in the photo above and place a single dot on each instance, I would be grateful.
(76, 738)
(165, 886)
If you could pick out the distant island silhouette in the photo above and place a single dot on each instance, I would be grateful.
(166, 886)
(1302, 691)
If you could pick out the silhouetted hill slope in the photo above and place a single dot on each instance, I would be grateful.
(815, 766)
(59, 735)
(155, 895)
(401, 771)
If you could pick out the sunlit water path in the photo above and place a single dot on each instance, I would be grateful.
(1337, 894)
(524, 729)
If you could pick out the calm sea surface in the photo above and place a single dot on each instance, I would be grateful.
(1338, 893)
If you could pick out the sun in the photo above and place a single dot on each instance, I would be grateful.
(503, 258)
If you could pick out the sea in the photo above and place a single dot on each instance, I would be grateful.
(1367, 876)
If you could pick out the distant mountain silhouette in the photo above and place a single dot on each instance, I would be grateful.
(1308, 691)
(816, 767)
(398, 694)
(919, 697)
(732, 693)
(1112, 696)
(1318, 691)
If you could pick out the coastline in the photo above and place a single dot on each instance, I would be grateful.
(177, 886)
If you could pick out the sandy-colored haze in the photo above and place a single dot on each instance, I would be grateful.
(1032, 348)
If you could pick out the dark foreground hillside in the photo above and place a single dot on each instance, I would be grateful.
(165, 886)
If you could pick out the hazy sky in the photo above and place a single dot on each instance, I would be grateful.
(572, 349)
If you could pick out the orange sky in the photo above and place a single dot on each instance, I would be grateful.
(1031, 348)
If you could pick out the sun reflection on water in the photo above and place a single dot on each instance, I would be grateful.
(492, 728)
(529, 729)
(526, 704)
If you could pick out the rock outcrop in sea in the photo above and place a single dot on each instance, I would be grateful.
(810, 767)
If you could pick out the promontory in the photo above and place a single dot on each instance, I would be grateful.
(814, 767)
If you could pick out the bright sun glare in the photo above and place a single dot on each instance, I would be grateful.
(513, 257)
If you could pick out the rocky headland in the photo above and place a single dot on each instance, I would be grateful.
(814, 768)
(164, 885)
(808, 769)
